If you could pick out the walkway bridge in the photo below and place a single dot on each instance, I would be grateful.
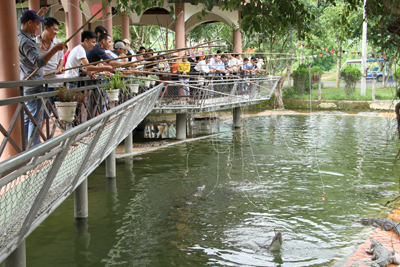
(38, 179)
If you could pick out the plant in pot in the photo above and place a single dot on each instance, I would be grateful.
(66, 103)
(134, 85)
(153, 79)
(113, 85)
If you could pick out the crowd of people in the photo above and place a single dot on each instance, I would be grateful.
(55, 60)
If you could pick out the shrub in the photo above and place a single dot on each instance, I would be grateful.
(351, 76)
(316, 73)
(289, 92)
(301, 81)
(396, 75)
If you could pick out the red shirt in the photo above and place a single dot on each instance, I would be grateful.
(65, 57)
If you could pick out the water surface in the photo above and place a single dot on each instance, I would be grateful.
(272, 176)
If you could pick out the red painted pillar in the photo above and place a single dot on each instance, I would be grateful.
(10, 72)
(74, 22)
(125, 27)
(107, 21)
(237, 38)
(180, 27)
(35, 6)
(67, 25)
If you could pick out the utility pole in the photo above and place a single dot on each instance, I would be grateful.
(364, 54)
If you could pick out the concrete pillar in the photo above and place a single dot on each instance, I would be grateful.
(111, 171)
(237, 123)
(125, 27)
(75, 22)
(138, 136)
(67, 33)
(181, 126)
(107, 21)
(17, 258)
(81, 209)
(128, 143)
(237, 41)
(180, 27)
(35, 6)
(9, 55)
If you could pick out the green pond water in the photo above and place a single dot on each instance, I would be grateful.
(152, 215)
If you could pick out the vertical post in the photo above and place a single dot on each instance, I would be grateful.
(107, 20)
(81, 209)
(166, 39)
(181, 126)
(373, 87)
(125, 26)
(75, 22)
(67, 33)
(9, 55)
(319, 86)
(237, 123)
(111, 166)
(180, 27)
(128, 143)
(364, 54)
(237, 38)
(17, 258)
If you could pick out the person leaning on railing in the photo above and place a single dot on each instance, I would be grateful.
(30, 59)
(184, 69)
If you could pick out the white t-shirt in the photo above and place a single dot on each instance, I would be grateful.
(52, 65)
(233, 63)
(74, 60)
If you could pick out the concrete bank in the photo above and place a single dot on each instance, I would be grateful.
(294, 103)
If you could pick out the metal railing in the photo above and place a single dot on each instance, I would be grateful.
(34, 182)
(188, 94)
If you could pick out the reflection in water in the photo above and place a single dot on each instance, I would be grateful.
(82, 256)
(112, 194)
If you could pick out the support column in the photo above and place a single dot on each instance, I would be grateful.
(237, 38)
(81, 209)
(10, 72)
(35, 6)
(107, 21)
(181, 126)
(128, 143)
(180, 27)
(67, 33)
(75, 22)
(125, 27)
(237, 123)
(111, 171)
(17, 258)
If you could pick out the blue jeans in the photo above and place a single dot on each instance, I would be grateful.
(72, 85)
(33, 106)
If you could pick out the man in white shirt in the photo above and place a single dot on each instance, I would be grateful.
(77, 57)
(45, 42)
(233, 63)
(203, 66)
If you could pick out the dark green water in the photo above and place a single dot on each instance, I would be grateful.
(151, 214)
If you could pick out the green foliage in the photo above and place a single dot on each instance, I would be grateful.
(301, 80)
(351, 76)
(315, 86)
(396, 75)
(316, 73)
(65, 95)
(114, 82)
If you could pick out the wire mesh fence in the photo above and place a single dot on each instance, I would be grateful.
(35, 181)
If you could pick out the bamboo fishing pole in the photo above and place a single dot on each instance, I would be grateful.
(75, 33)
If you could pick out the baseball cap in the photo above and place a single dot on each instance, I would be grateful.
(127, 41)
(31, 15)
(120, 45)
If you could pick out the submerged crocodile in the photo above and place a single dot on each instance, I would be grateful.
(385, 224)
(381, 256)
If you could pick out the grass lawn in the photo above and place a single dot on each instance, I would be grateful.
(388, 93)
(329, 77)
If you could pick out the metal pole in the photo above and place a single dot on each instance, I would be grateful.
(364, 54)
(81, 209)
(181, 126)
(373, 88)
(17, 258)
(128, 143)
(110, 165)
(237, 123)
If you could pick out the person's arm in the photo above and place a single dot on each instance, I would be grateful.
(59, 69)
(53, 51)
(84, 61)
(32, 54)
